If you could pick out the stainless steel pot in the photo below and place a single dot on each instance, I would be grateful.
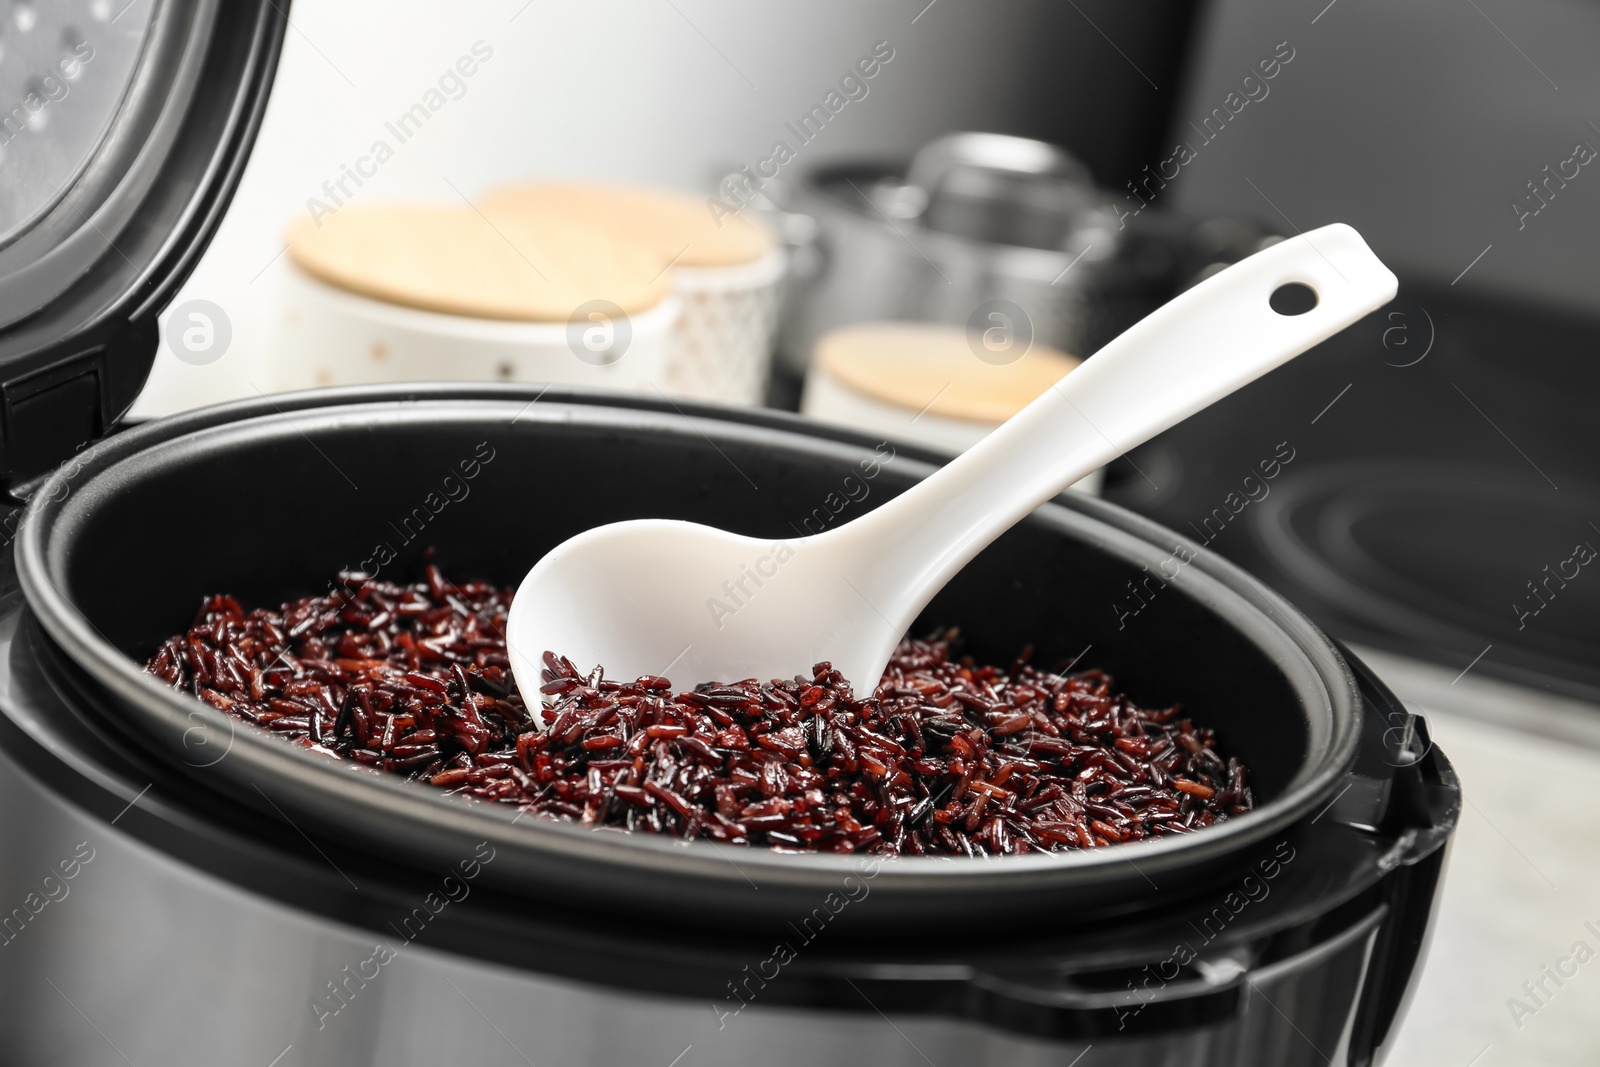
(975, 219)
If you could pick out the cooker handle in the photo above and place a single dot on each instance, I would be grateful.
(1229, 985)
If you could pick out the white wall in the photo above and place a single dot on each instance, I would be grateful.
(652, 90)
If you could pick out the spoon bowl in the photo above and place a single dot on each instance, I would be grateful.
(680, 600)
(693, 601)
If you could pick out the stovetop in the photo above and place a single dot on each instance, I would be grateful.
(1424, 483)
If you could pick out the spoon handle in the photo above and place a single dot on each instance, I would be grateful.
(1208, 342)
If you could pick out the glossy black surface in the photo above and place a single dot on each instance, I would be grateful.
(1445, 455)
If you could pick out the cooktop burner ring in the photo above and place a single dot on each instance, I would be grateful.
(1448, 555)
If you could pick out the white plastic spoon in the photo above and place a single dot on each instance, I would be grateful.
(652, 596)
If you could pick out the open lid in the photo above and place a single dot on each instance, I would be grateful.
(124, 126)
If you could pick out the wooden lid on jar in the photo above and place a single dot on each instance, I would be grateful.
(464, 261)
(679, 228)
(931, 367)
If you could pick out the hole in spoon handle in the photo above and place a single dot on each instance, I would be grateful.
(1293, 298)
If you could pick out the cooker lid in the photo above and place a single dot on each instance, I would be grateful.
(124, 125)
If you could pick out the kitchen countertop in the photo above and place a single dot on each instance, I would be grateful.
(1517, 893)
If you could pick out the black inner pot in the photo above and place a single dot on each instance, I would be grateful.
(267, 500)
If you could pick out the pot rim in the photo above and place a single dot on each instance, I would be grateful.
(408, 816)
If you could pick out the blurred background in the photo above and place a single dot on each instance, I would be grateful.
(1440, 507)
